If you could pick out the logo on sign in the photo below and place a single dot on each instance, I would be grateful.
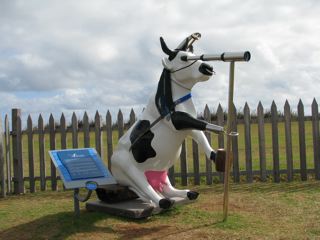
(77, 155)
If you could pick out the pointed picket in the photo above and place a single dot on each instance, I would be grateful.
(63, 132)
(86, 130)
(42, 154)
(262, 143)
(17, 152)
(120, 124)
(97, 129)
(316, 139)
(3, 191)
(109, 137)
(52, 127)
(8, 155)
(287, 123)
(220, 122)
(196, 168)
(302, 142)
(235, 152)
(132, 117)
(74, 131)
(275, 142)
(247, 141)
(31, 154)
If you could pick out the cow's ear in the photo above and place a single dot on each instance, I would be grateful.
(167, 64)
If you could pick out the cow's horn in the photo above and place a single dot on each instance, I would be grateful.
(167, 50)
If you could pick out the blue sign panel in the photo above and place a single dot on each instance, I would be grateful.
(77, 167)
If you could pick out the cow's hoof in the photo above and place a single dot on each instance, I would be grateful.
(220, 160)
(166, 203)
(192, 195)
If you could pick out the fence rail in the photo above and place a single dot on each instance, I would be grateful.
(20, 149)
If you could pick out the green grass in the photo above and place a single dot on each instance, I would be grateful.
(256, 211)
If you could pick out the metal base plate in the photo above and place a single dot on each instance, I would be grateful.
(135, 209)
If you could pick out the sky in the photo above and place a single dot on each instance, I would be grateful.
(76, 55)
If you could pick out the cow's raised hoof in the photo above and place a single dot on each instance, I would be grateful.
(220, 160)
(192, 195)
(166, 203)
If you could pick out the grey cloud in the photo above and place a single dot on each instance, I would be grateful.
(83, 55)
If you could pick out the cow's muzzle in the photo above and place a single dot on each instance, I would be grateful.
(206, 69)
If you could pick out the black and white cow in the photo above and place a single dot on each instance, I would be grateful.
(152, 145)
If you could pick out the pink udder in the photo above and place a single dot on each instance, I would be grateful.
(157, 179)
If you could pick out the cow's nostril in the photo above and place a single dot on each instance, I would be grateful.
(206, 69)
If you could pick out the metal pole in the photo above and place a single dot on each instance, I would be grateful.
(228, 150)
(77, 199)
(76, 202)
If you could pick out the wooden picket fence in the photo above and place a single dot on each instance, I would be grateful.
(12, 160)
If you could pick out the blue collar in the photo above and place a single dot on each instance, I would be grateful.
(182, 99)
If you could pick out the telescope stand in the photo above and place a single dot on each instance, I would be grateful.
(229, 143)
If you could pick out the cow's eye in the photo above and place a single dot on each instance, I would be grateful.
(184, 58)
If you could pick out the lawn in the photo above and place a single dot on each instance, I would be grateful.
(257, 211)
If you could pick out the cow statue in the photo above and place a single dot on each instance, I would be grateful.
(153, 144)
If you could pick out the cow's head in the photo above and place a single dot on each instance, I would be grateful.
(187, 73)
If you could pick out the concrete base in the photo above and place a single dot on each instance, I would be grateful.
(135, 209)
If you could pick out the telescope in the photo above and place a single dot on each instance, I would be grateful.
(225, 57)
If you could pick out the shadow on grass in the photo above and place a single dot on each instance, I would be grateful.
(64, 224)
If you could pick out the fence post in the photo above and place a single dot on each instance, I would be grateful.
(2, 171)
(236, 172)
(17, 151)
(120, 124)
(74, 131)
(63, 132)
(275, 142)
(97, 128)
(262, 143)
(184, 164)
(109, 137)
(220, 122)
(196, 169)
(207, 117)
(132, 117)
(315, 134)
(63, 135)
(42, 154)
(302, 142)
(86, 130)
(287, 122)
(31, 155)
(247, 140)
(52, 130)
(8, 156)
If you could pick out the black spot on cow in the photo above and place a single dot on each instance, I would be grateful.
(142, 149)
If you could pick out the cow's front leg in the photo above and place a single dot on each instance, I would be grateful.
(169, 191)
(217, 157)
(202, 141)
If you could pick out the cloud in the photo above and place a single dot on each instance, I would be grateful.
(80, 55)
